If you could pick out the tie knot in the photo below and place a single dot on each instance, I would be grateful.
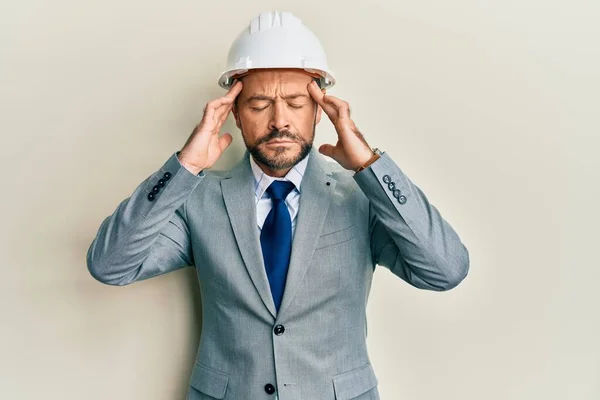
(278, 190)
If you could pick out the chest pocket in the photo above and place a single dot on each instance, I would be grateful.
(339, 236)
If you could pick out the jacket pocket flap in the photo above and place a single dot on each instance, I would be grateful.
(351, 384)
(209, 381)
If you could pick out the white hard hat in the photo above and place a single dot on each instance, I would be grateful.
(277, 40)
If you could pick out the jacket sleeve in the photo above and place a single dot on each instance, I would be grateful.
(408, 234)
(147, 235)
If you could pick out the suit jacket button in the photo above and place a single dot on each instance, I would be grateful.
(397, 193)
(386, 178)
(167, 175)
(161, 182)
(279, 329)
(155, 189)
(391, 186)
(402, 199)
(151, 196)
(270, 389)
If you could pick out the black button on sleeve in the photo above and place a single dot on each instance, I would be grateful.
(161, 182)
(270, 389)
(151, 196)
(167, 175)
(155, 189)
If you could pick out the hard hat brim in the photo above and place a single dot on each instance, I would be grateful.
(326, 78)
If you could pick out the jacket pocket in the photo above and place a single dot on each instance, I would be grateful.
(351, 384)
(208, 381)
(329, 239)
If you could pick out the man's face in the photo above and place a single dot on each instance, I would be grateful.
(275, 105)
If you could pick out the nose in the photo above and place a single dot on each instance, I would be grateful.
(279, 117)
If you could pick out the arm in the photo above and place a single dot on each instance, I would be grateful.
(145, 238)
(147, 235)
(410, 238)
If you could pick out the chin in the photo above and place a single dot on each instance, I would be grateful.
(280, 157)
(279, 153)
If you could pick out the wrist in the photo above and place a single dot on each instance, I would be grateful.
(194, 169)
(366, 164)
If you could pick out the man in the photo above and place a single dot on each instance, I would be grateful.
(285, 243)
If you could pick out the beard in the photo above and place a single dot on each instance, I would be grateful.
(281, 159)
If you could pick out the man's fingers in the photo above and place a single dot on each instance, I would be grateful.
(222, 118)
(216, 111)
(235, 89)
(214, 119)
(225, 141)
(228, 98)
(216, 103)
(327, 149)
(223, 111)
(342, 106)
(315, 92)
(317, 95)
(209, 114)
(233, 92)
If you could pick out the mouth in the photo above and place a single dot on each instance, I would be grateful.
(279, 142)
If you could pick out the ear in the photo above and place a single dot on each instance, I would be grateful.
(236, 115)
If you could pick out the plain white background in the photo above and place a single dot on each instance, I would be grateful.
(490, 107)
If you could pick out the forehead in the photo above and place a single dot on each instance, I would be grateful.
(275, 82)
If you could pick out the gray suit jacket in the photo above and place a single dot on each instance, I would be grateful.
(315, 346)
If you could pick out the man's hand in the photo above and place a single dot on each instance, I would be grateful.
(204, 146)
(351, 150)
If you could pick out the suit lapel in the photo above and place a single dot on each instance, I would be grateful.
(238, 194)
(315, 196)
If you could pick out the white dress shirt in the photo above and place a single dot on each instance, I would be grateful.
(263, 201)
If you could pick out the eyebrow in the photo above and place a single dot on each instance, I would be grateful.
(262, 97)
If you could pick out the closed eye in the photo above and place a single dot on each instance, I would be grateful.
(263, 108)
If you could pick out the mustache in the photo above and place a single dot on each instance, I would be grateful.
(279, 134)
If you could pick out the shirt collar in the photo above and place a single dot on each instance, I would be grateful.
(262, 181)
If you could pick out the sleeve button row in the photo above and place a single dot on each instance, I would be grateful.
(392, 187)
(159, 184)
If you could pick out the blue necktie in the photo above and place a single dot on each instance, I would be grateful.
(276, 239)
